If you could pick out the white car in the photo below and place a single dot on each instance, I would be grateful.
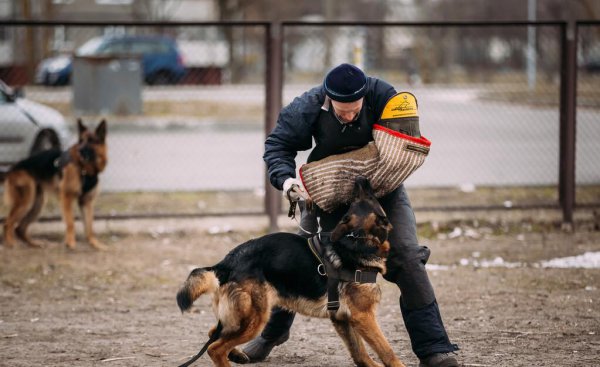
(27, 127)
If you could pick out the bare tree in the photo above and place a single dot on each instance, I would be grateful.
(156, 10)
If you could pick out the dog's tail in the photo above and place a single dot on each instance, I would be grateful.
(200, 281)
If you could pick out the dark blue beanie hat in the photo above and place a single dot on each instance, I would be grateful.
(345, 83)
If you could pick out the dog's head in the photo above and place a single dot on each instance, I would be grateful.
(365, 225)
(91, 148)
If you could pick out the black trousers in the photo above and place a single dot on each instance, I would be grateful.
(405, 268)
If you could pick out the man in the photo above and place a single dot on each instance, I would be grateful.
(339, 115)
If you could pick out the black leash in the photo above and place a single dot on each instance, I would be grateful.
(308, 204)
(293, 202)
(211, 340)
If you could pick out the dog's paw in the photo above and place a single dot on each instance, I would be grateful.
(36, 244)
(97, 244)
(237, 356)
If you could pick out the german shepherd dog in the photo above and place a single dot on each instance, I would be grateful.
(73, 173)
(281, 270)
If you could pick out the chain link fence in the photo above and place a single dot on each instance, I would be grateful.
(490, 122)
(488, 100)
(200, 130)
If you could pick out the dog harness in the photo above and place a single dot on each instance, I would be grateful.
(336, 275)
(88, 182)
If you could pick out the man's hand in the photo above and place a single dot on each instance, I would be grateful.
(296, 190)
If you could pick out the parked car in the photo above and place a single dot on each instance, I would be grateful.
(27, 127)
(162, 62)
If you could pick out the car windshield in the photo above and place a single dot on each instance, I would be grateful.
(90, 47)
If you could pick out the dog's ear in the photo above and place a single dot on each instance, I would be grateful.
(362, 188)
(81, 129)
(383, 250)
(101, 131)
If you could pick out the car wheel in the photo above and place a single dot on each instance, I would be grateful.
(45, 140)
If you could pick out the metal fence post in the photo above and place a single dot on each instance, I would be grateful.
(568, 103)
(274, 86)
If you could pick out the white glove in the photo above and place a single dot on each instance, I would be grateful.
(294, 194)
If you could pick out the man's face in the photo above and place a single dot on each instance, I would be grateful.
(347, 112)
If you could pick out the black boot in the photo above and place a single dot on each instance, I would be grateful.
(276, 332)
(439, 360)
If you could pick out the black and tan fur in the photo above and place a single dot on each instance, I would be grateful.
(73, 174)
(280, 270)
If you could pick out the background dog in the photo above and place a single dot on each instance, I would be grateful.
(281, 270)
(73, 173)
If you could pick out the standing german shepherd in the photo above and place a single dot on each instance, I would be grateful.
(282, 270)
(74, 173)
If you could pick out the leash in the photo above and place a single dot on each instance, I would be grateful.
(293, 204)
(303, 229)
(215, 335)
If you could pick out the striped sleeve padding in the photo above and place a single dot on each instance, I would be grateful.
(386, 163)
(399, 156)
(330, 181)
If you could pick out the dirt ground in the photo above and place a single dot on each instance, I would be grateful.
(117, 308)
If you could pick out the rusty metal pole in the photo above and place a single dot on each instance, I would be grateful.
(29, 43)
(568, 103)
(274, 86)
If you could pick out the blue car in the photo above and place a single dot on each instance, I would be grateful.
(161, 59)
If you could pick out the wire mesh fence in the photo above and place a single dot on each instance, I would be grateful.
(488, 100)
(203, 100)
(488, 97)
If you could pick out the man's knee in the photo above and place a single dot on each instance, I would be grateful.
(407, 261)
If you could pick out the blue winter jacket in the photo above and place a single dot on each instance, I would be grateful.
(295, 127)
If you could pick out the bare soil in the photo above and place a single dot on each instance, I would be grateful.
(117, 308)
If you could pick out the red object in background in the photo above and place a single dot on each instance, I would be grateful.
(202, 75)
(15, 75)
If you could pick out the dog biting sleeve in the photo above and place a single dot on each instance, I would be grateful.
(399, 156)
(386, 162)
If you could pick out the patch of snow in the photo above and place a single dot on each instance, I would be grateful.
(467, 187)
(589, 260)
(457, 232)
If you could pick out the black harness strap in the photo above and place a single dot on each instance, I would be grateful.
(88, 182)
(335, 276)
